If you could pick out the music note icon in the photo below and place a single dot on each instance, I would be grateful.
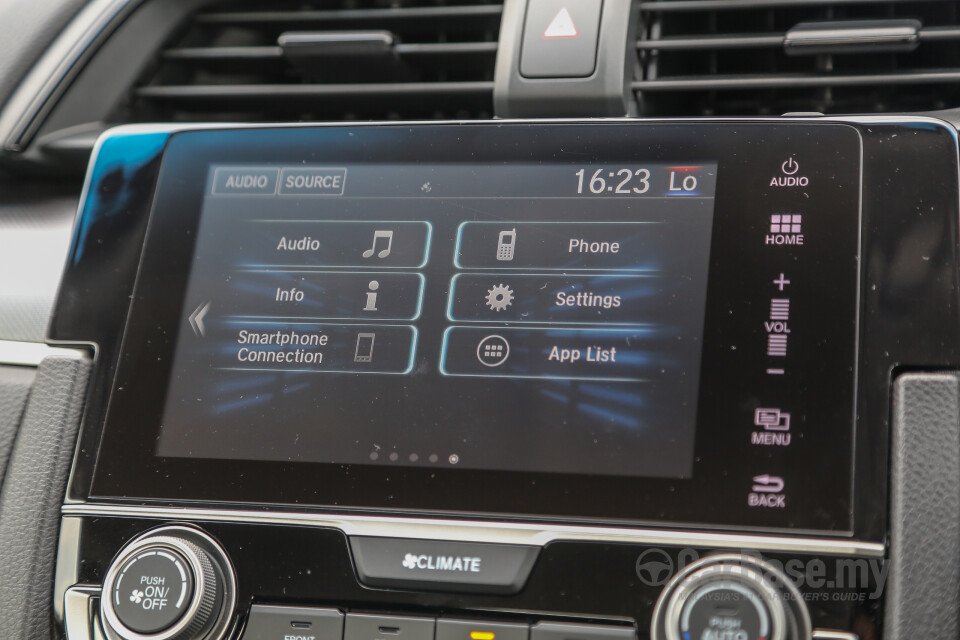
(388, 236)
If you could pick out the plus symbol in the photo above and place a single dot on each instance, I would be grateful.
(781, 282)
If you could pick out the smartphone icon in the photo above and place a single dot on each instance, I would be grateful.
(364, 350)
(506, 244)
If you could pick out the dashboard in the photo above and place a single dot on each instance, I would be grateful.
(652, 330)
(541, 364)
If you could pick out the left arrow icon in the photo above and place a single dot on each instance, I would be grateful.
(196, 319)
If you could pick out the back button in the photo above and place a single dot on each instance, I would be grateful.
(439, 565)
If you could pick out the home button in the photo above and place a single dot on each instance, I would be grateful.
(440, 565)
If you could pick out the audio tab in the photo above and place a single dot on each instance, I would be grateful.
(245, 181)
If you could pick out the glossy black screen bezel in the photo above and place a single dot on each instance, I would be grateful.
(747, 154)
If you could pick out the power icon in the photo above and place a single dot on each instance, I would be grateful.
(790, 167)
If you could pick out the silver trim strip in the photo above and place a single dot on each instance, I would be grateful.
(78, 618)
(50, 76)
(68, 563)
(489, 532)
(29, 354)
(826, 634)
(179, 127)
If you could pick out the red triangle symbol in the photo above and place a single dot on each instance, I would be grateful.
(561, 26)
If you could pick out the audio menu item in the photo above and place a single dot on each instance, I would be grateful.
(270, 242)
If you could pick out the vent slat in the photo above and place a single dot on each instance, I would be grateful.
(763, 41)
(352, 15)
(416, 90)
(682, 6)
(703, 43)
(276, 53)
(224, 53)
(940, 34)
(732, 57)
(740, 82)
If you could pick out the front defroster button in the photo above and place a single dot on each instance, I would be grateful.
(293, 623)
(426, 565)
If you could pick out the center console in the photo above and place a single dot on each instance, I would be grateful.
(505, 380)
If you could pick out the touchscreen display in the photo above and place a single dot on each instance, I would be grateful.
(525, 317)
(607, 321)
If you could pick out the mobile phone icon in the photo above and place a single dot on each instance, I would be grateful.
(506, 244)
(364, 350)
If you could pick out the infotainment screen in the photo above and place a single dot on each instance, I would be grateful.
(610, 321)
(529, 317)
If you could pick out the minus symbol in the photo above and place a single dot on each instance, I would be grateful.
(775, 372)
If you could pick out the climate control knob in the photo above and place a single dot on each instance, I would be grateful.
(173, 583)
(730, 596)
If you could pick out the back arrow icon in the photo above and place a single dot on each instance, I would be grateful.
(196, 319)
(767, 484)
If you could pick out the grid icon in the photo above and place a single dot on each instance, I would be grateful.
(785, 223)
(492, 350)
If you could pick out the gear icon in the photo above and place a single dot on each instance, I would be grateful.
(499, 297)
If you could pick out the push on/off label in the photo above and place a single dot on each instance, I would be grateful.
(152, 591)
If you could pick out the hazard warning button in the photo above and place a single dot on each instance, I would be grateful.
(560, 38)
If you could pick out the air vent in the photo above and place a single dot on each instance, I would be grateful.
(767, 57)
(289, 60)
